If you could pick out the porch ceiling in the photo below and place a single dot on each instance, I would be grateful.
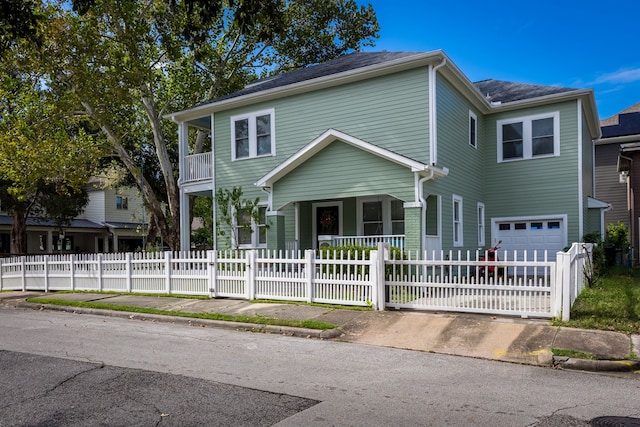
(332, 135)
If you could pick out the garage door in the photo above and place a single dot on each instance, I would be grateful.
(534, 235)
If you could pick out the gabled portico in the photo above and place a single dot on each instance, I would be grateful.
(345, 186)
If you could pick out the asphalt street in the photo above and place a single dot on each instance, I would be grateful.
(354, 384)
(49, 391)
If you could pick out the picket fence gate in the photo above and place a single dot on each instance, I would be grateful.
(519, 284)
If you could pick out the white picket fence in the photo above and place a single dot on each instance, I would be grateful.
(519, 284)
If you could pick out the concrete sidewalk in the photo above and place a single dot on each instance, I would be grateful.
(482, 336)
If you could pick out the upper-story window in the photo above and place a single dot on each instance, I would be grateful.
(253, 135)
(122, 202)
(529, 137)
(473, 129)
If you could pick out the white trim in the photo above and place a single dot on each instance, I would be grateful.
(387, 221)
(314, 228)
(331, 135)
(580, 174)
(527, 140)
(482, 231)
(253, 138)
(473, 116)
(460, 223)
(255, 230)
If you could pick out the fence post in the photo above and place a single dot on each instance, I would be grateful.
(46, 273)
(309, 256)
(100, 274)
(212, 256)
(565, 259)
(1, 275)
(382, 256)
(167, 271)
(128, 271)
(72, 271)
(250, 275)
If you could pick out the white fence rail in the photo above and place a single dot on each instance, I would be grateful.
(198, 167)
(519, 284)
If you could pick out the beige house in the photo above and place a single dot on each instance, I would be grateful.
(113, 221)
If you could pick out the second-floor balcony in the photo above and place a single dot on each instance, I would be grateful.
(197, 167)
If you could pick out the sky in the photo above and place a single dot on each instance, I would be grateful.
(569, 43)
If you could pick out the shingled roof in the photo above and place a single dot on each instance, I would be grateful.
(341, 64)
(493, 90)
(503, 91)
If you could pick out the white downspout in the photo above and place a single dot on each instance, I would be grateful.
(433, 127)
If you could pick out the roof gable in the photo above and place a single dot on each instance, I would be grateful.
(332, 135)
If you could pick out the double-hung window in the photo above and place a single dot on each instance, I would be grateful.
(529, 137)
(122, 203)
(253, 135)
(252, 233)
(457, 221)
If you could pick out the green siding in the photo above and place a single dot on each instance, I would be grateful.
(466, 165)
(541, 186)
(389, 111)
(341, 170)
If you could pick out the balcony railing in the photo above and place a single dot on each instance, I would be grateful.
(198, 167)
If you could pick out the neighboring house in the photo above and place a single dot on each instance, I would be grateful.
(112, 221)
(399, 147)
(618, 170)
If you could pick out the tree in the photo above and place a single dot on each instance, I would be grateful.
(45, 154)
(128, 62)
(236, 213)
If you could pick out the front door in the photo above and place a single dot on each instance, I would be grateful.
(326, 222)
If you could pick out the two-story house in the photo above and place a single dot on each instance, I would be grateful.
(398, 147)
(618, 171)
(113, 220)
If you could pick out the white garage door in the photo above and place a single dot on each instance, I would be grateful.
(532, 235)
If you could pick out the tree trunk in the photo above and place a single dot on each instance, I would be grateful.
(19, 231)
(169, 229)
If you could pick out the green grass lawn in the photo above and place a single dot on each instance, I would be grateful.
(612, 304)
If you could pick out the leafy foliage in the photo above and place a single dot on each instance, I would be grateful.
(46, 153)
(234, 212)
(129, 62)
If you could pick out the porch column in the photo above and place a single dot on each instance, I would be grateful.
(275, 232)
(413, 226)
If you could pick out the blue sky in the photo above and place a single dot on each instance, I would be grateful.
(569, 43)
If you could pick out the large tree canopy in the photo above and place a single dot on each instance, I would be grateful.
(128, 62)
(46, 156)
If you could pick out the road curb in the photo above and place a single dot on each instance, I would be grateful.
(597, 365)
(223, 324)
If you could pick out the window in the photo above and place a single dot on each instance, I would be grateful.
(381, 216)
(397, 217)
(372, 224)
(252, 135)
(480, 224)
(457, 221)
(249, 232)
(473, 130)
(529, 137)
(122, 203)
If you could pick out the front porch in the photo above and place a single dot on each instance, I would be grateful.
(364, 221)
